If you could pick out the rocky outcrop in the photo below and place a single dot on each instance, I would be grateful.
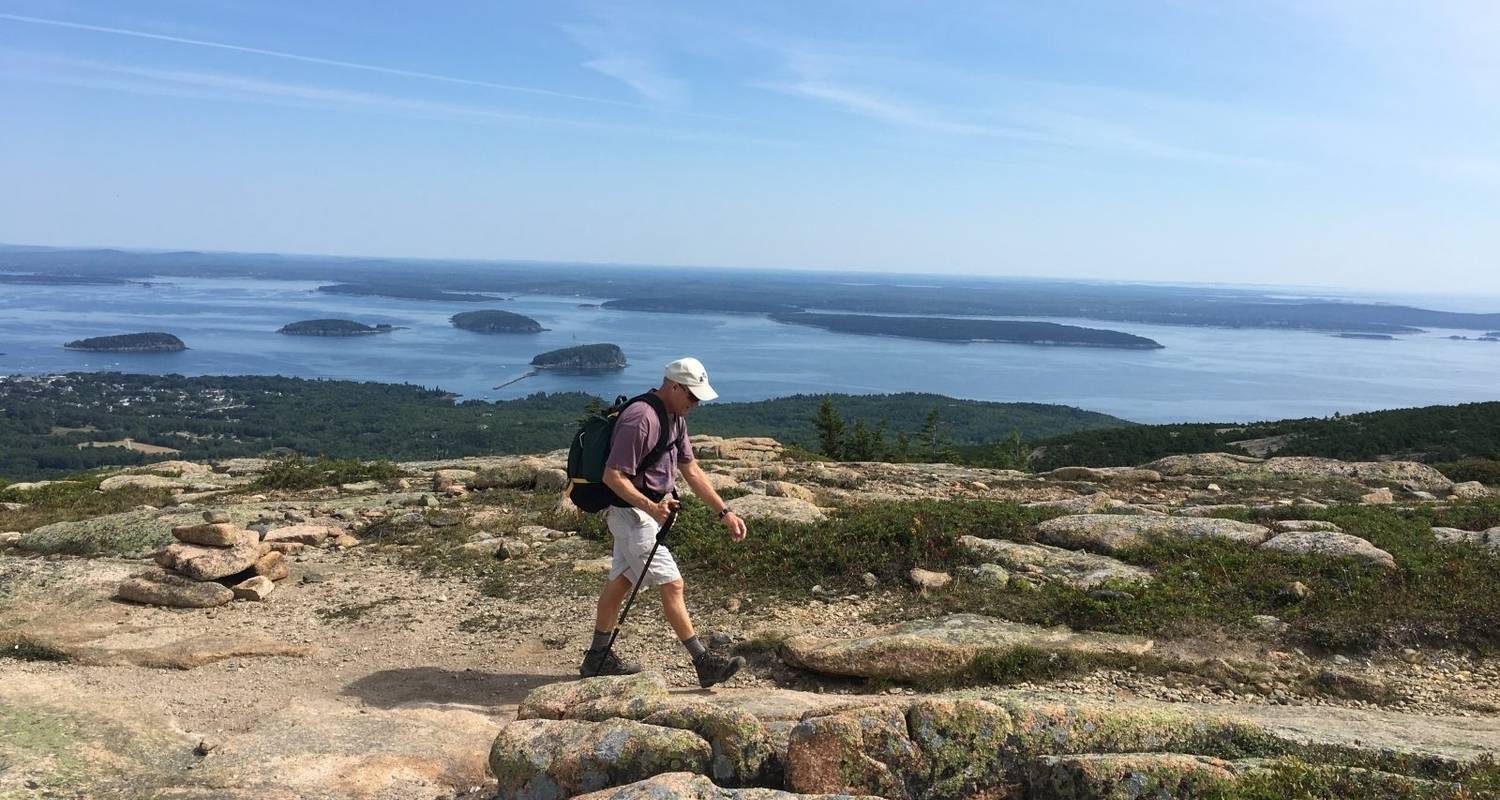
(1487, 538)
(687, 786)
(1068, 567)
(753, 449)
(542, 759)
(1111, 533)
(1105, 474)
(947, 647)
(1409, 475)
(1127, 776)
(788, 509)
(1330, 544)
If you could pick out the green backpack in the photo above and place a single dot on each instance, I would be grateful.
(590, 449)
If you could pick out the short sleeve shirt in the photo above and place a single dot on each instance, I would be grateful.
(637, 431)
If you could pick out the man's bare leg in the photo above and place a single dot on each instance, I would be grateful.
(675, 609)
(607, 615)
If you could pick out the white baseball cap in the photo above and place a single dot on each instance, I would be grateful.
(690, 373)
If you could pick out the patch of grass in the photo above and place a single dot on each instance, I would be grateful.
(296, 472)
(26, 650)
(1295, 779)
(79, 499)
(1484, 470)
(1438, 595)
(886, 538)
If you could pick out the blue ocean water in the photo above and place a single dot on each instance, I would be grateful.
(1204, 374)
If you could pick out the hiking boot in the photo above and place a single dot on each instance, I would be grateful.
(714, 668)
(605, 662)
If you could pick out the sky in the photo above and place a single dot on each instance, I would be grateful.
(1345, 143)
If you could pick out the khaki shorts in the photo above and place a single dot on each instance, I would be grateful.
(634, 532)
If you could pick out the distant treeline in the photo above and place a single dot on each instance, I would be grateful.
(946, 329)
(217, 417)
(1430, 434)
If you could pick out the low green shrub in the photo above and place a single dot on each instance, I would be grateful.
(1484, 470)
(295, 472)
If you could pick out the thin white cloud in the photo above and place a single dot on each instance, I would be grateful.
(218, 86)
(327, 62)
(639, 75)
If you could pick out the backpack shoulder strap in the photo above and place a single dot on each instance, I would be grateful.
(664, 440)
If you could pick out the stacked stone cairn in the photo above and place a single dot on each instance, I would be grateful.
(210, 564)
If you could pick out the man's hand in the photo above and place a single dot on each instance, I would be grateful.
(659, 511)
(735, 525)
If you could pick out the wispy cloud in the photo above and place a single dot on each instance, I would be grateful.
(307, 59)
(626, 52)
(219, 86)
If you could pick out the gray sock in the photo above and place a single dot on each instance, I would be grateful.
(694, 647)
(601, 640)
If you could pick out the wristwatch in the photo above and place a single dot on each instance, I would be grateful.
(726, 510)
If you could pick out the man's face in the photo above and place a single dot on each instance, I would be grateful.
(681, 400)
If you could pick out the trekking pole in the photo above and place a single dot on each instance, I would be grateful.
(660, 535)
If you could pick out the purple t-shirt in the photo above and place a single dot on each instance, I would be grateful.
(636, 432)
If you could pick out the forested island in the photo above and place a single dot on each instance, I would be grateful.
(332, 327)
(403, 291)
(944, 329)
(583, 357)
(65, 280)
(149, 342)
(730, 303)
(1383, 337)
(495, 321)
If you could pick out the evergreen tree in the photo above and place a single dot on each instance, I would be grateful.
(859, 448)
(830, 430)
(932, 435)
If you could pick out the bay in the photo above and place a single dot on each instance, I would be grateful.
(1203, 374)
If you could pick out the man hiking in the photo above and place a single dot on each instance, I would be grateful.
(644, 501)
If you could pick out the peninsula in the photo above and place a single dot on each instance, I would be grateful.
(944, 329)
(150, 342)
(495, 321)
(587, 357)
(403, 291)
(332, 327)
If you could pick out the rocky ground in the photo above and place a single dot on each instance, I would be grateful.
(425, 640)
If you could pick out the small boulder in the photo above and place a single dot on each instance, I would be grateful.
(785, 489)
(344, 541)
(256, 588)
(217, 516)
(209, 534)
(928, 581)
(272, 566)
(1334, 545)
(302, 533)
(789, 509)
(1128, 775)
(551, 480)
(865, 751)
(1381, 496)
(1471, 490)
(1487, 538)
(1299, 525)
(1069, 567)
(1110, 533)
(159, 587)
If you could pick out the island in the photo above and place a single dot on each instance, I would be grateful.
(149, 342)
(943, 329)
(583, 358)
(1384, 337)
(403, 292)
(36, 279)
(736, 303)
(332, 327)
(1492, 335)
(493, 321)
